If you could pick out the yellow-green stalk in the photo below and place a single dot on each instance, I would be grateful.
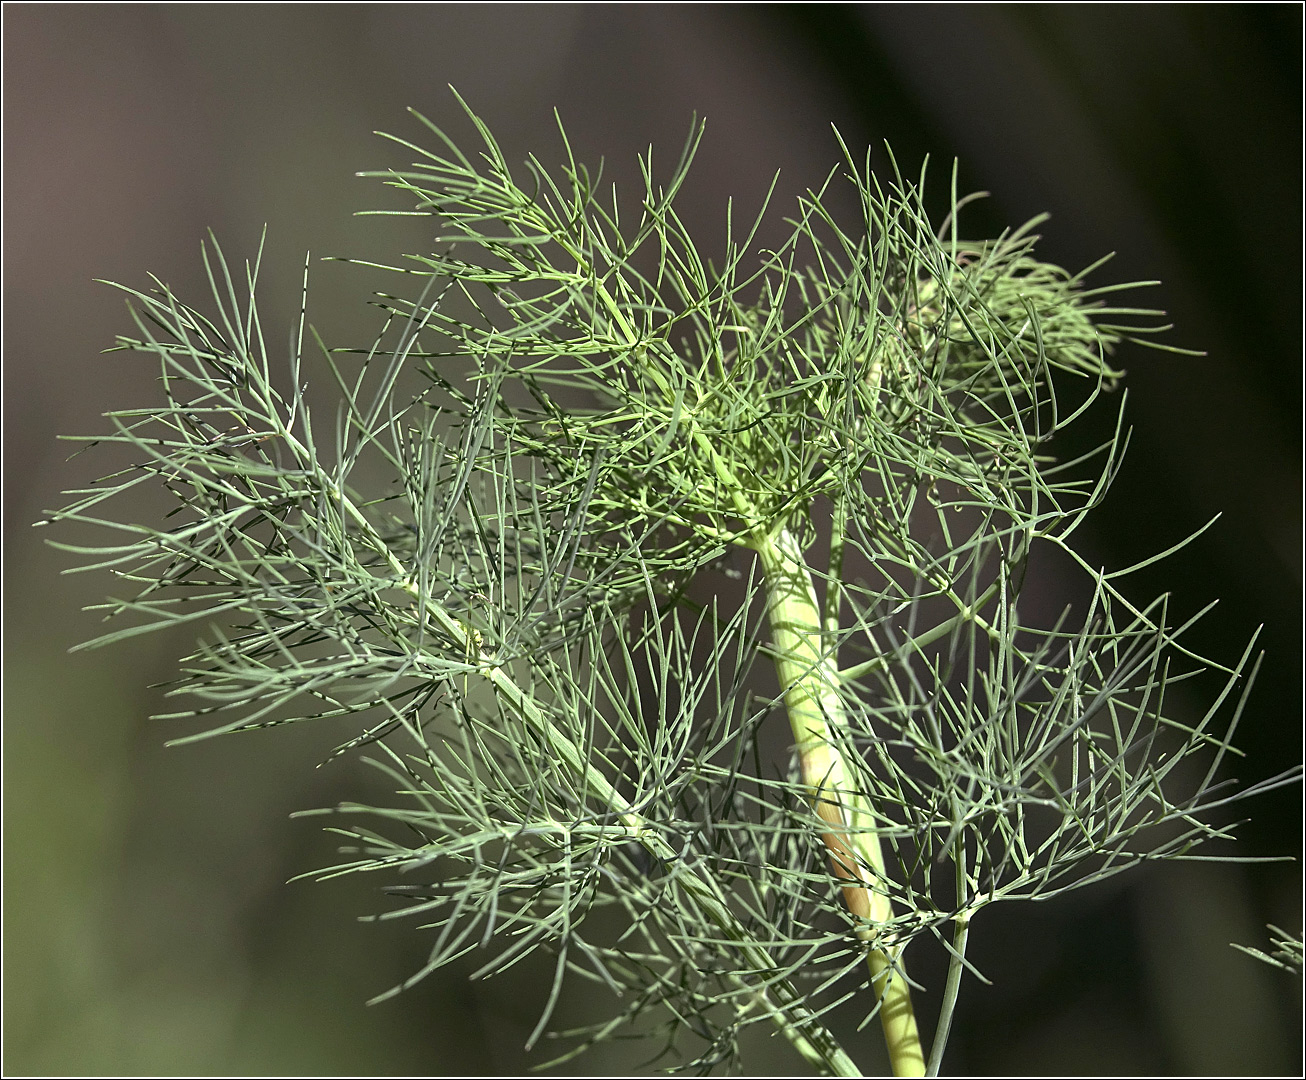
(807, 677)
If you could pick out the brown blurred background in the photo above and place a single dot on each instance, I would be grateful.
(148, 925)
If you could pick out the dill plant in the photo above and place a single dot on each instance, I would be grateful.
(854, 427)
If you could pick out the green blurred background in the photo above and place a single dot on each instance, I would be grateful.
(148, 925)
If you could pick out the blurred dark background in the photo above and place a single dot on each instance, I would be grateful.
(148, 925)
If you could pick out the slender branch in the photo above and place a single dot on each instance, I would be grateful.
(956, 963)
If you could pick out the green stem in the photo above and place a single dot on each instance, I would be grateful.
(809, 681)
(956, 963)
(950, 990)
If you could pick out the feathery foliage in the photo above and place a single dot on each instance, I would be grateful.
(586, 428)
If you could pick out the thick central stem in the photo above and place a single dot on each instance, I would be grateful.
(808, 679)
